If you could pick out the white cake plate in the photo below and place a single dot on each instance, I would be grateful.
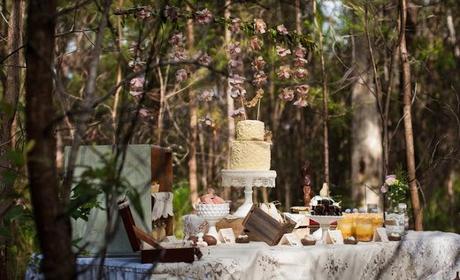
(324, 223)
(247, 179)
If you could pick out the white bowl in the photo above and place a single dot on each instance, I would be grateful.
(213, 210)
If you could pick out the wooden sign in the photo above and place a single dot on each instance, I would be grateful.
(226, 235)
(290, 239)
(380, 235)
(334, 237)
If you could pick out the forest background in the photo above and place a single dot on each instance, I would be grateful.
(167, 73)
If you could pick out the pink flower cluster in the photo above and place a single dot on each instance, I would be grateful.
(300, 92)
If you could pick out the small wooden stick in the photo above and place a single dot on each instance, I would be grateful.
(146, 238)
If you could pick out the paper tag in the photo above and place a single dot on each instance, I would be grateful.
(226, 235)
(334, 237)
(380, 235)
(290, 239)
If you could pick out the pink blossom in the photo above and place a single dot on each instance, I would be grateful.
(234, 49)
(207, 95)
(136, 85)
(143, 13)
(179, 54)
(284, 72)
(239, 112)
(204, 16)
(282, 52)
(282, 29)
(236, 86)
(171, 13)
(258, 63)
(302, 90)
(235, 27)
(260, 79)
(299, 62)
(256, 44)
(177, 39)
(286, 94)
(384, 188)
(300, 73)
(260, 26)
(204, 59)
(234, 63)
(300, 52)
(301, 103)
(144, 113)
(181, 75)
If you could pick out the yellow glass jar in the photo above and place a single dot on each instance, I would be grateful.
(345, 225)
(364, 229)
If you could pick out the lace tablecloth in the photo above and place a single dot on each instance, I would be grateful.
(421, 255)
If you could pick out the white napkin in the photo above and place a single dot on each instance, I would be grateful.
(162, 206)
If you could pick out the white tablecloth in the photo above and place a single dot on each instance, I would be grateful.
(421, 255)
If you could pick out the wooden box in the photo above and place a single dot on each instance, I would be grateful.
(260, 226)
(158, 254)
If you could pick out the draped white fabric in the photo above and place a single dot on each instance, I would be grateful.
(162, 206)
(421, 255)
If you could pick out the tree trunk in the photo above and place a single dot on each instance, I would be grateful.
(10, 99)
(366, 148)
(193, 123)
(53, 225)
(325, 97)
(229, 99)
(407, 111)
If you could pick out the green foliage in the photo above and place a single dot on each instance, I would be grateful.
(181, 205)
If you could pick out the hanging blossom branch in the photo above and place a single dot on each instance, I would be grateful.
(258, 32)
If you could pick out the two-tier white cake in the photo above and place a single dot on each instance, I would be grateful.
(250, 151)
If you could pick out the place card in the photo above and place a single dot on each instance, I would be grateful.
(290, 239)
(380, 235)
(226, 235)
(334, 237)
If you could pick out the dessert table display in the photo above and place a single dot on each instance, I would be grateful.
(420, 255)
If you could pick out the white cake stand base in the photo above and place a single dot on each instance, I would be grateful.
(324, 223)
(244, 209)
(247, 179)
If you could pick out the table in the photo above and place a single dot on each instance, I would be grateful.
(421, 255)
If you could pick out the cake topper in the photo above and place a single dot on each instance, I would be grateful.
(306, 183)
(324, 192)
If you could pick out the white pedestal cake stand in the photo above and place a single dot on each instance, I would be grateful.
(324, 223)
(247, 179)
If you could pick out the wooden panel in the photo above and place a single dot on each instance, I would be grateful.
(162, 168)
(170, 255)
(260, 226)
(162, 172)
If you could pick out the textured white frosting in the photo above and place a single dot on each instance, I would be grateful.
(250, 155)
(250, 130)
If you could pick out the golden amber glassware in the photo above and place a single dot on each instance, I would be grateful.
(364, 229)
(345, 225)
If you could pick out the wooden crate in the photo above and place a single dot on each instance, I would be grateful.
(260, 226)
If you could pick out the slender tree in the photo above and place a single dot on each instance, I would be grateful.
(407, 111)
(53, 225)
(193, 124)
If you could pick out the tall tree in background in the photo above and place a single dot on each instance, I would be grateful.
(193, 124)
(52, 224)
(325, 96)
(366, 146)
(229, 99)
(407, 111)
(8, 104)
